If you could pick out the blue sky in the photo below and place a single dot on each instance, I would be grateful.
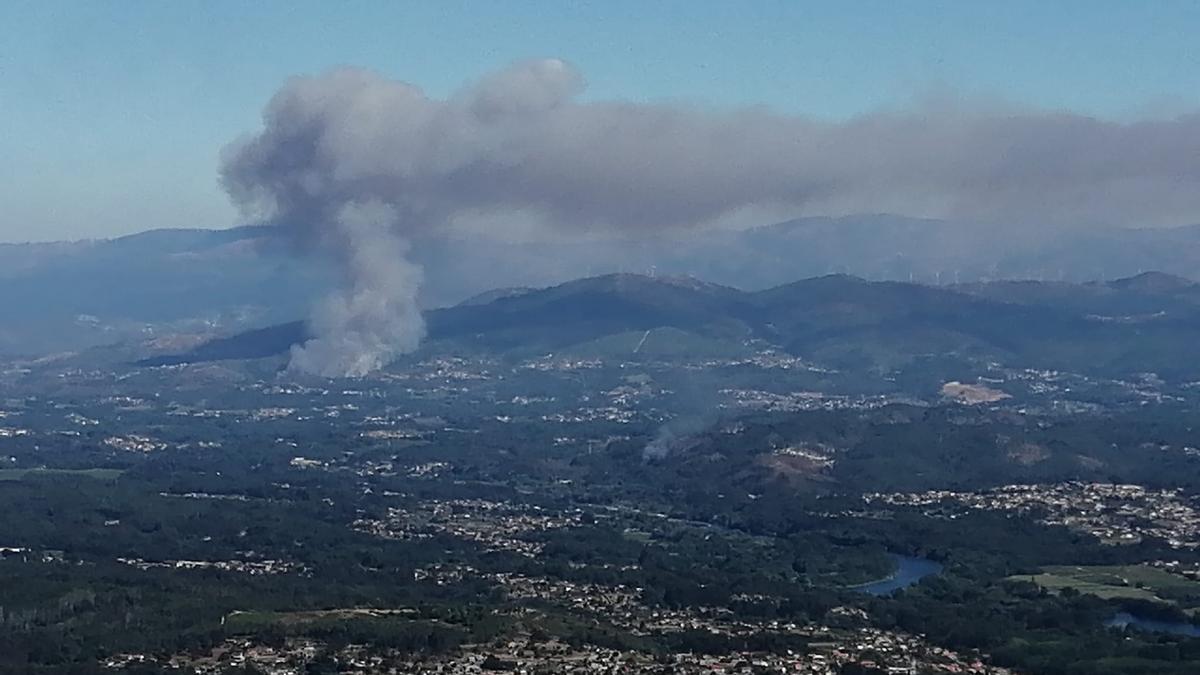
(112, 113)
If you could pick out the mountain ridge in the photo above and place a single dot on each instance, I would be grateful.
(841, 320)
(74, 295)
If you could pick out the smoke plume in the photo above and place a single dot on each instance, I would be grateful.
(375, 317)
(521, 144)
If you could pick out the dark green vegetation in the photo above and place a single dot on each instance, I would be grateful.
(98, 474)
(733, 514)
(708, 447)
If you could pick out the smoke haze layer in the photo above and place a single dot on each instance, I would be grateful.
(521, 144)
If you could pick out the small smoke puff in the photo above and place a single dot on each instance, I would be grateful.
(525, 88)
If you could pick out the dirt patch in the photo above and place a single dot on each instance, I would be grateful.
(795, 468)
(972, 394)
(1028, 454)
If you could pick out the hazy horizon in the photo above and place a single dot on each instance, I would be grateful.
(118, 111)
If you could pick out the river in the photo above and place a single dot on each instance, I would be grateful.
(909, 570)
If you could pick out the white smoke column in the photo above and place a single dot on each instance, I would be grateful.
(375, 317)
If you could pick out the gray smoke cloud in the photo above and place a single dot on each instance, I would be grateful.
(521, 144)
(375, 317)
(675, 436)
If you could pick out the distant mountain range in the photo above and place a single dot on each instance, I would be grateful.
(1146, 323)
(68, 296)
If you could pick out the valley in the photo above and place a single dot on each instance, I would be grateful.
(503, 503)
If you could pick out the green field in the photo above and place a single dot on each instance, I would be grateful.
(660, 342)
(247, 620)
(98, 474)
(400, 627)
(1139, 582)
